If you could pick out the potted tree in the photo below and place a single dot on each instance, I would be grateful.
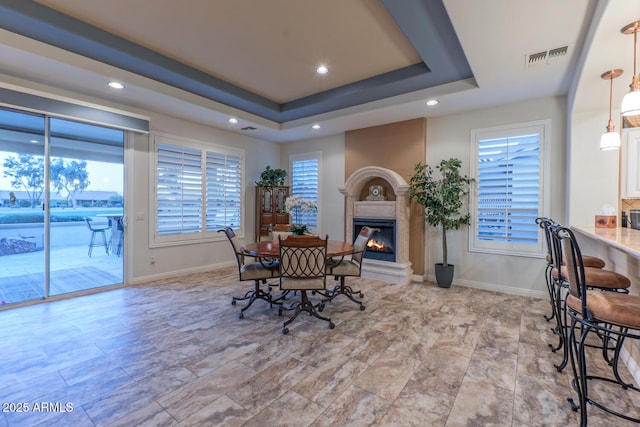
(442, 198)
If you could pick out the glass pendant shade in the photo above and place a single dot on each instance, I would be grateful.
(631, 104)
(610, 141)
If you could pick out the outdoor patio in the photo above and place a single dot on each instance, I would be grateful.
(72, 270)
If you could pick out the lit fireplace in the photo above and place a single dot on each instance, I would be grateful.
(382, 242)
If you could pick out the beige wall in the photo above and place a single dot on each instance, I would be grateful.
(398, 147)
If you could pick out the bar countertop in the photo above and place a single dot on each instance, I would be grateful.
(624, 239)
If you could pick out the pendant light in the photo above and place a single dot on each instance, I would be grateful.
(611, 139)
(631, 101)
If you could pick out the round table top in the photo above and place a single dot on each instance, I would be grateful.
(271, 249)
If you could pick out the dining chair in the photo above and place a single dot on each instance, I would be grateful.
(258, 272)
(97, 230)
(279, 230)
(613, 317)
(350, 267)
(303, 268)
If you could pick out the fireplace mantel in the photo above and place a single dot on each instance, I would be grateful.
(399, 271)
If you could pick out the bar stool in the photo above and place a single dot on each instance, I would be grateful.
(595, 278)
(612, 315)
(589, 261)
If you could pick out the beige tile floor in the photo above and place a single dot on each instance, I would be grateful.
(175, 353)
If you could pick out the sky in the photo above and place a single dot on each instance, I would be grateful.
(102, 176)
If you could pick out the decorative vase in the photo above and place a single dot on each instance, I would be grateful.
(444, 275)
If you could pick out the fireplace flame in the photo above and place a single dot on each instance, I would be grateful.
(375, 245)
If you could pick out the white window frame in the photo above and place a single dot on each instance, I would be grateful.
(156, 240)
(543, 127)
(316, 155)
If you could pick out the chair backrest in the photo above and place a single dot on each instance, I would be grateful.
(572, 257)
(303, 262)
(235, 247)
(360, 244)
(545, 224)
(87, 221)
(279, 230)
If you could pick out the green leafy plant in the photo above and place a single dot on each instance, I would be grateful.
(272, 177)
(441, 197)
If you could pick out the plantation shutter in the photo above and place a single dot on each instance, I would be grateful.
(304, 182)
(179, 190)
(508, 179)
(224, 186)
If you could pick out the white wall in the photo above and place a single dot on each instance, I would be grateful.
(593, 179)
(449, 136)
(331, 205)
(192, 257)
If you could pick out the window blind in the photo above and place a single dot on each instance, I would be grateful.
(508, 197)
(179, 190)
(223, 191)
(304, 182)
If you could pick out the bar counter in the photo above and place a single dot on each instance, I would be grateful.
(625, 239)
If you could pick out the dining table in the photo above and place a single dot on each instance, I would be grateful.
(271, 249)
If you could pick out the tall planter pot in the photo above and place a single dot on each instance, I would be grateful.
(444, 275)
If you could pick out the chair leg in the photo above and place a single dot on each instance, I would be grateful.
(307, 306)
(254, 295)
(550, 288)
(342, 289)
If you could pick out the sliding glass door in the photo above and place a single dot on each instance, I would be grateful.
(62, 220)
(22, 188)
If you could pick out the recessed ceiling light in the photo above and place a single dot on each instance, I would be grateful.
(316, 126)
(233, 120)
(322, 69)
(432, 102)
(34, 141)
(116, 85)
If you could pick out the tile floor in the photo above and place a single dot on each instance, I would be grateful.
(175, 353)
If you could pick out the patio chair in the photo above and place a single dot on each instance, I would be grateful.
(97, 230)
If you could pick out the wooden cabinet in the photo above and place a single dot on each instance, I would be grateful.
(270, 209)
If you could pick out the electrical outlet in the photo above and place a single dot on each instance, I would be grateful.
(152, 260)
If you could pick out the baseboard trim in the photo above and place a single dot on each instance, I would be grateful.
(177, 273)
(543, 294)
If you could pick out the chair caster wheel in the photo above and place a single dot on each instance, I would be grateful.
(233, 302)
(285, 331)
(361, 295)
(362, 307)
(279, 312)
(331, 325)
(321, 308)
(241, 315)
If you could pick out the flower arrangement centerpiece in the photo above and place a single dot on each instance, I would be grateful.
(297, 205)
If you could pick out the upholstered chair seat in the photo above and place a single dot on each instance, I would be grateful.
(599, 278)
(589, 261)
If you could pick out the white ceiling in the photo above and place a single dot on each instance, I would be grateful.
(272, 47)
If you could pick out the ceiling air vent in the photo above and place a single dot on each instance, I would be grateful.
(546, 56)
(248, 128)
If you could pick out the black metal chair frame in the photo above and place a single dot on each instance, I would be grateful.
(360, 245)
(256, 293)
(561, 286)
(582, 323)
(303, 258)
